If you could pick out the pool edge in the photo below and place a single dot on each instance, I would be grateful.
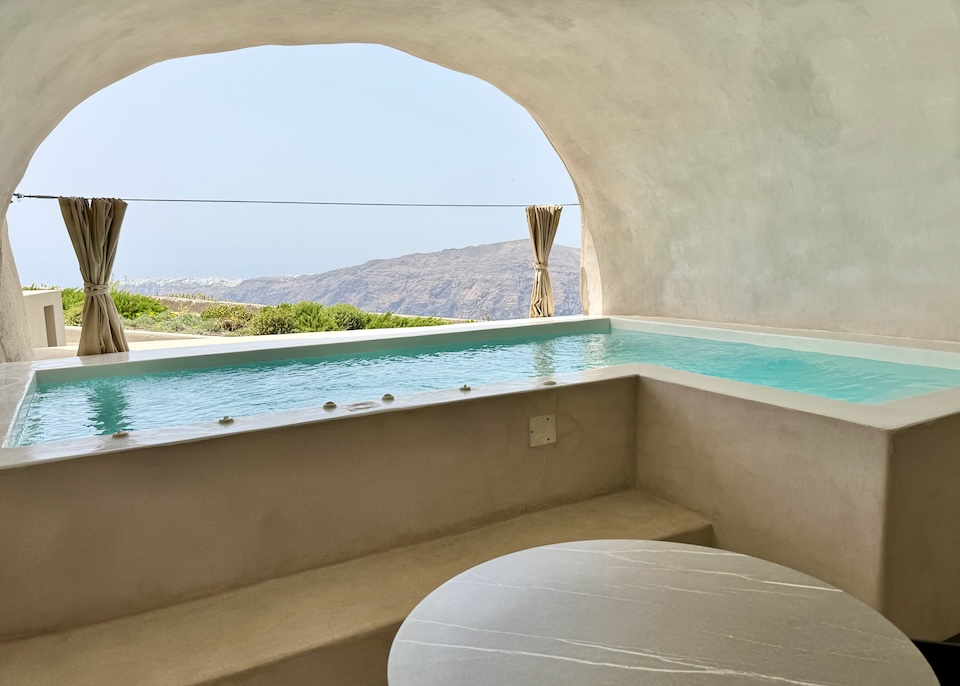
(888, 416)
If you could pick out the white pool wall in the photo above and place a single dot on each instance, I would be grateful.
(19, 378)
(870, 509)
(312, 346)
(860, 496)
(113, 533)
(900, 354)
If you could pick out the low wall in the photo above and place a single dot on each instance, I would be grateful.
(921, 561)
(135, 336)
(45, 324)
(199, 305)
(872, 511)
(799, 489)
(108, 535)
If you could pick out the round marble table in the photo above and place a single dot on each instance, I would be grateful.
(646, 612)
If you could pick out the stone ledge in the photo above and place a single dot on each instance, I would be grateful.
(334, 623)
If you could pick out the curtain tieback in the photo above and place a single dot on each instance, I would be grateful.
(540, 266)
(95, 288)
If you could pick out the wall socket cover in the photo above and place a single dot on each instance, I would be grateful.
(543, 430)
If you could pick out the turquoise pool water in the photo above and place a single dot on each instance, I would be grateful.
(104, 405)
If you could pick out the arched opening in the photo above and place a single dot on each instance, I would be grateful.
(334, 123)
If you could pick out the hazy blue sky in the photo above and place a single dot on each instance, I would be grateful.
(342, 123)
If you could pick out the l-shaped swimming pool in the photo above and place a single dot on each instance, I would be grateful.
(67, 403)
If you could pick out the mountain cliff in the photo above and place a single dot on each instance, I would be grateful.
(478, 282)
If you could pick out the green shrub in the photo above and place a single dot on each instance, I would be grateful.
(392, 321)
(73, 316)
(273, 320)
(190, 296)
(129, 305)
(423, 321)
(149, 314)
(312, 317)
(228, 317)
(237, 318)
(173, 322)
(132, 305)
(348, 317)
(70, 297)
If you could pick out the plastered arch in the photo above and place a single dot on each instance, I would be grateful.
(776, 163)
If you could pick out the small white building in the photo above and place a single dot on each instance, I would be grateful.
(45, 318)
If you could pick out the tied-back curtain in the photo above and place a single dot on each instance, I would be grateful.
(94, 228)
(543, 221)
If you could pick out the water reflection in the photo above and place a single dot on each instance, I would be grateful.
(596, 349)
(108, 408)
(544, 358)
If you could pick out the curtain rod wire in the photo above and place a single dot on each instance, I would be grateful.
(21, 196)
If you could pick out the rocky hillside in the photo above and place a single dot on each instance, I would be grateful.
(480, 282)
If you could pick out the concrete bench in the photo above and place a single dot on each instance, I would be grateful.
(332, 625)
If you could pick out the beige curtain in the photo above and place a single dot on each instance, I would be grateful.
(543, 221)
(94, 228)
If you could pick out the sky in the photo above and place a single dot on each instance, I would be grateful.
(354, 123)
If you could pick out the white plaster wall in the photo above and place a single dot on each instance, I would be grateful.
(870, 510)
(922, 547)
(35, 304)
(109, 535)
(782, 163)
(14, 336)
(799, 489)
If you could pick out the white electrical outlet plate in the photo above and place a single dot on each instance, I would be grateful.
(543, 430)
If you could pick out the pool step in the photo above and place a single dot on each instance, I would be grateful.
(331, 625)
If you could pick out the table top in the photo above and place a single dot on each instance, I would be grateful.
(646, 612)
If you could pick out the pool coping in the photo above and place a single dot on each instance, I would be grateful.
(16, 378)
